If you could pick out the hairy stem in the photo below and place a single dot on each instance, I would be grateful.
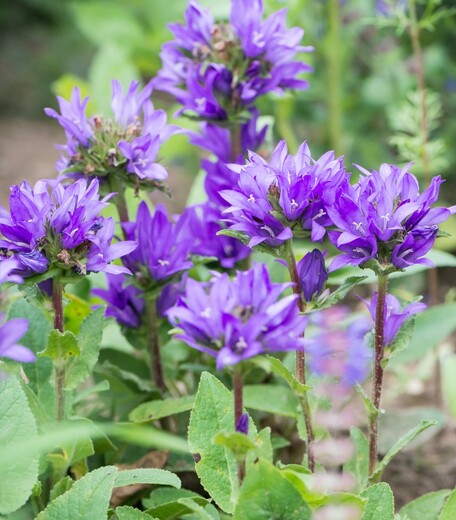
(300, 354)
(156, 366)
(238, 409)
(378, 369)
(59, 373)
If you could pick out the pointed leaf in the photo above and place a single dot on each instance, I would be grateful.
(426, 507)
(380, 502)
(147, 476)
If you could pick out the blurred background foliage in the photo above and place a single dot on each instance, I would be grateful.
(362, 101)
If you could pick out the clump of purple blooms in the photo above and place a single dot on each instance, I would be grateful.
(216, 69)
(384, 217)
(56, 226)
(125, 145)
(237, 319)
(284, 197)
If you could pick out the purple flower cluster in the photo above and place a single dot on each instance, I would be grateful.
(340, 352)
(163, 248)
(12, 331)
(126, 145)
(285, 197)
(384, 217)
(216, 69)
(53, 225)
(237, 319)
(394, 315)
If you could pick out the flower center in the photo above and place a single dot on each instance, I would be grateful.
(240, 345)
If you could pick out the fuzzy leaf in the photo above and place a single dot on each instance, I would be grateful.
(274, 399)
(449, 509)
(274, 365)
(147, 476)
(153, 410)
(426, 507)
(17, 424)
(61, 347)
(130, 513)
(380, 502)
(358, 466)
(267, 494)
(87, 499)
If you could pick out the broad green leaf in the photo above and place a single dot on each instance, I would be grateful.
(215, 465)
(448, 368)
(153, 410)
(130, 513)
(17, 425)
(266, 494)
(200, 512)
(426, 507)
(89, 340)
(147, 476)
(87, 499)
(400, 444)
(61, 487)
(449, 509)
(166, 503)
(274, 399)
(358, 466)
(432, 326)
(380, 502)
(165, 495)
(274, 365)
(61, 347)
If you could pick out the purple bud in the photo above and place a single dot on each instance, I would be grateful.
(242, 425)
(312, 274)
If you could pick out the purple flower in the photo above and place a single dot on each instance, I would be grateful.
(237, 319)
(312, 274)
(284, 197)
(53, 225)
(128, 143)
(205, 221)
(338, 351)
(215, 69)
(242, 425)
(163, 247)
(394, 315)
(125, 301)
(384, 217)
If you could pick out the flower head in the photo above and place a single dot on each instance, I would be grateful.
(126, 145)
(237, 319)
(163, 247)
(53, 225)
(214, 69)
(384, 217)
(394, 315)
(284, 197)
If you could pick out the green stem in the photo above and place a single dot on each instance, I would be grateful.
(59, 372)
(156, 366)
(238, 409)
(334, 76)
(378, 369)
(300, 354)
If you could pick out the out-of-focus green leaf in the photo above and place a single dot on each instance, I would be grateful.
(146, 476)
(426, 507)
(274, 399)
(153, 410)
(358, 465)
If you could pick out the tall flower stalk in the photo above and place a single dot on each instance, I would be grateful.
(59, 368)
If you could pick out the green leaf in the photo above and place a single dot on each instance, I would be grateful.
(266, 494)
(274, 399)
(215, 465)
(147, 476)
(130, 513)
(358, 465)
(432, 326)
(17, 424)
(449, 509)
(166, 503)
(62, 486)
(274, 365)
(153, 410)
(200, 512)
(88, 340)
(400, 444)
(197, 193)
(380, 502)
(87, 499)
(61, 347)
(239, 444)
(342, 291)
(401, 341)
(426, 507)
(371, 411)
